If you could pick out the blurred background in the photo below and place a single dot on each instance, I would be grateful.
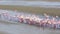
(51, 7)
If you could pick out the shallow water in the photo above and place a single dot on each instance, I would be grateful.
(19, 28)
(24, 29)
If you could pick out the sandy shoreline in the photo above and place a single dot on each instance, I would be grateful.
(32, 9)
(35, 10)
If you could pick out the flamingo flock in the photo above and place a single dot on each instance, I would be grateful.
(31, 19)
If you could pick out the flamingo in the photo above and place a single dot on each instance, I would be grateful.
(21, 18)
(5, 15)
(26, 19)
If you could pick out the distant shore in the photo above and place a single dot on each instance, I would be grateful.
(44, 0)
(35, 10)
